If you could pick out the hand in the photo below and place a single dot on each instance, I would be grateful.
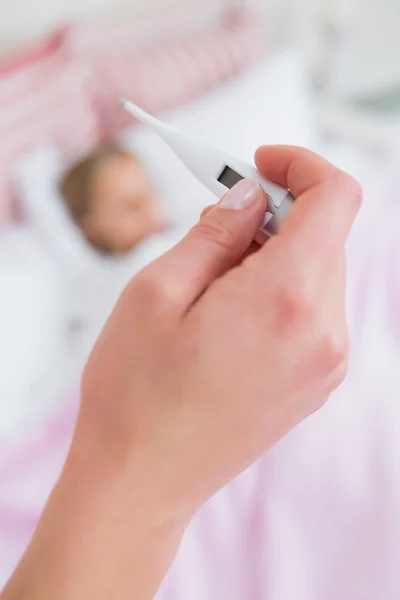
(212, 354)
(209, 358)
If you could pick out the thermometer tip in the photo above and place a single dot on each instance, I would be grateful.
(133, 109)
(138, 113)
(144, 118)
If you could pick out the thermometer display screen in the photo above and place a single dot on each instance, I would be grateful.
(229, 177)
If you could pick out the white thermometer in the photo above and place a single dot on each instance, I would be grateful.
(216, 170)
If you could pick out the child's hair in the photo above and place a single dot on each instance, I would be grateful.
(76, 183)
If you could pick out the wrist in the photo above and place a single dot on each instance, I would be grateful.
(102, 528)
(127, 481)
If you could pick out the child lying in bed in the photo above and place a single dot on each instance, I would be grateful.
(112, 200)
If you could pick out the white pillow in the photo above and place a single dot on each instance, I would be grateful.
(270, 104)
(36, 176)
(91, 282)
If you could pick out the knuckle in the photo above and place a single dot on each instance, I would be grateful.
(145, 286)
(139, 291)
(339, 375)
(351, 188)
(333, 354)
(296, 307)
(211, 230)
(150, 291)
(206, 210)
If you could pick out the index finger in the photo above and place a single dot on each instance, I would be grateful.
(327, 199)
(293, 167)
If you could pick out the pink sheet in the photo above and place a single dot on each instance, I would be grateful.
(318, 517)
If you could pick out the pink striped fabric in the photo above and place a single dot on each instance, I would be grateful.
(45, 95)
(163, 75)
(153, 26)
(43, 98)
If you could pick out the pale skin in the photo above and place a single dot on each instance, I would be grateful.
(212, 354)
(124, 207)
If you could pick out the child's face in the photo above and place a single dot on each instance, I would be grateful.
(123, 206)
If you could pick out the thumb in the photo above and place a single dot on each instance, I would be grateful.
(212, 246)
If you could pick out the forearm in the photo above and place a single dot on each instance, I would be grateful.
(97, 538)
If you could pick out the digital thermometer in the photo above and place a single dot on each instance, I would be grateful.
(216, 170)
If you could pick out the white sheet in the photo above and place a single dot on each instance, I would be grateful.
(32, 333)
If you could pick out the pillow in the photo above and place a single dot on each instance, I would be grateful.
(36, 176)
(43, 98)
(91, 281)
(269, 104)
(166, 74)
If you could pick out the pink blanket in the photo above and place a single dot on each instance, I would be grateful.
(316, 518)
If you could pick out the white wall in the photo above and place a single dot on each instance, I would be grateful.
(370, 55)
(365, 56)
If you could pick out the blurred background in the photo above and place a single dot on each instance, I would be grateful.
(324, 74)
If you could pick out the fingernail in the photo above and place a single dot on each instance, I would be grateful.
(241, 195)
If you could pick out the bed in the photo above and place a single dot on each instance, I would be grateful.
(317, 517)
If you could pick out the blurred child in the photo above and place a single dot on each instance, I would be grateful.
(111, 198)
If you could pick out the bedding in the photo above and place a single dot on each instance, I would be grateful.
(275, 104)
(64, 90)
(317, 517)
(108, 19)
(169, 72)
(92, 282)
(132, 29)
(33, 338)
(278, 110)
(43, 98)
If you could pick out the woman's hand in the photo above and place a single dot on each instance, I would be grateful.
(210, 358)
(212, 354)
